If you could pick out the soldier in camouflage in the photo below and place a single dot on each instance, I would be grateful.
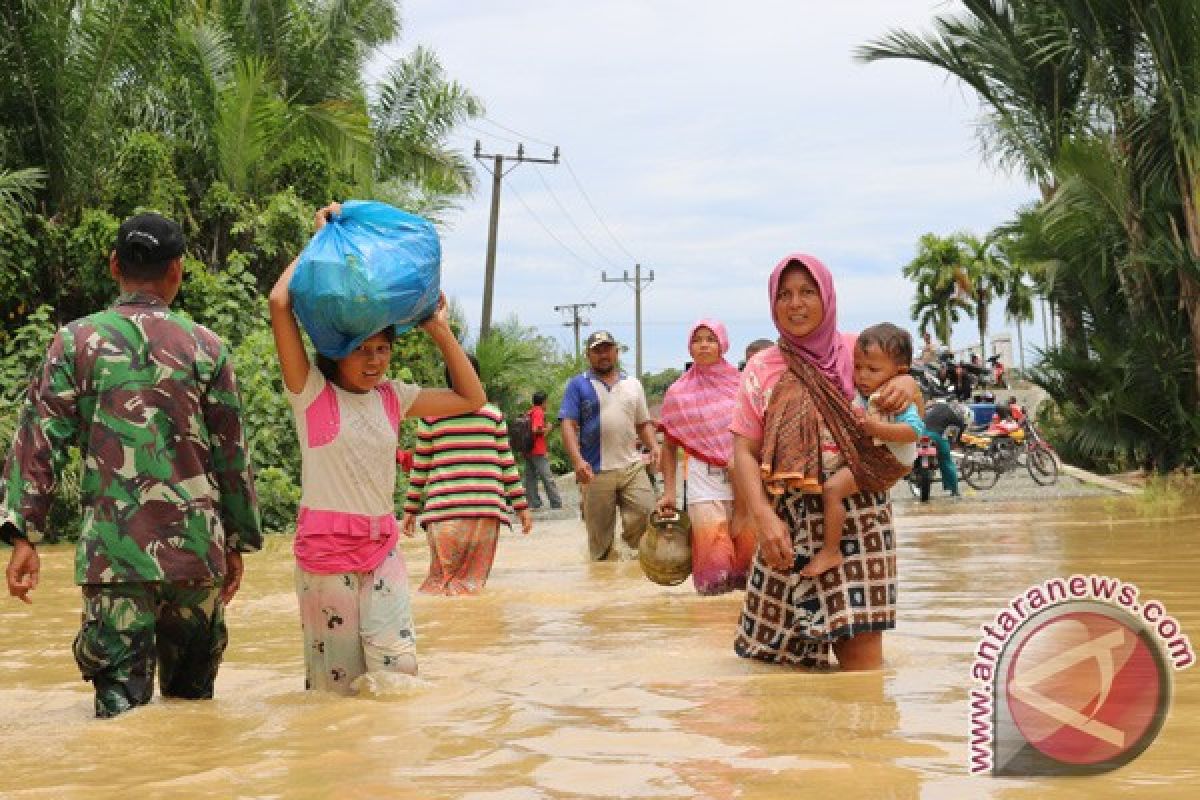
(149, 398)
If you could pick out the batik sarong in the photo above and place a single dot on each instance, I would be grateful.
(721, 554)
(790, 619)
(461, 552)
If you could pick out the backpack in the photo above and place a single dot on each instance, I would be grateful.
(520, 434)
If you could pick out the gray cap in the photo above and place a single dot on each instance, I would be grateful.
(598, 338)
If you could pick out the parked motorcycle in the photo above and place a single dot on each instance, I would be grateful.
(925, 470)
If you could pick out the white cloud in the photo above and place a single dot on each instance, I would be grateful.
(713, 139)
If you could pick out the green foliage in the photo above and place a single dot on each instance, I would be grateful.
(21, 355)
(144, 178)
(657, 383)
(226, 301)
(17, 189)
(512, 362)
(1096, 102)
(235, 118)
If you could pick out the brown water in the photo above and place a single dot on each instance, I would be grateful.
(569, 679)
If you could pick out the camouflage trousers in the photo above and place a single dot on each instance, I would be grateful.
(129, 628)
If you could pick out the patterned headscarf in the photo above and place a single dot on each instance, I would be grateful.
(816, 390)
(824, 348)
(698, 408)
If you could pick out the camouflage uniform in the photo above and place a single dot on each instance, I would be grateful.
(150, 399)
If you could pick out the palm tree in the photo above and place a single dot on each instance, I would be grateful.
(1034, 93)
(513, 361)
(982, 276)
(935, 271)
(1018, 292)
(415, 110)
(17, 189)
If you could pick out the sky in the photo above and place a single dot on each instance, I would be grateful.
(706, 141)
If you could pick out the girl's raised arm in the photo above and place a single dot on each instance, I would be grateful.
(466, 392)
(289, 345)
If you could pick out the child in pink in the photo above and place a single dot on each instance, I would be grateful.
(351, 578)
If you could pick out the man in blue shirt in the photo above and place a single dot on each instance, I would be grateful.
(604, 414)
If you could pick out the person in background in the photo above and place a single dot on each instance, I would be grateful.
(351, 579)
(168, 497)
(753, 349)
(696, 414)
(940, 418)
(464, 483)
(929, 353)
(603, 416)
(1015, 410)
(537, 461)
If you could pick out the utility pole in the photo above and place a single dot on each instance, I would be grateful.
(576, 320)
(638, 282)
(498, 172)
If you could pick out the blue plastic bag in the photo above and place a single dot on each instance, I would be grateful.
(370, 267)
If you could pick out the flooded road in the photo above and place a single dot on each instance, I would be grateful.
(570, 679)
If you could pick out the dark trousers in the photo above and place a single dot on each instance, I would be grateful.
(537, 468)
(129, 629)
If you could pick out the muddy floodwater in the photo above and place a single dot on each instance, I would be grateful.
(570, 679)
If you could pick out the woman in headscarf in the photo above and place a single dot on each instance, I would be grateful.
(793, 425)
(696, 414)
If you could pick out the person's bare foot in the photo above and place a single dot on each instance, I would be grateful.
(828, 558)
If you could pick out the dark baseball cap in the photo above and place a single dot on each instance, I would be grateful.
(149, 238)
(600, 337)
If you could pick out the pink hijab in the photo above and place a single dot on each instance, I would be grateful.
(824, 348)
(698, 408)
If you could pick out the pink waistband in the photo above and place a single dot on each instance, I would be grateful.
(329, 542)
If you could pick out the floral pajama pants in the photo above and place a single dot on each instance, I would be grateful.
(355, 623)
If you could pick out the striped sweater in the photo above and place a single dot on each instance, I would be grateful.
(463, 467)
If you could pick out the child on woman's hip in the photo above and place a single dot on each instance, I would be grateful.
(881, 352)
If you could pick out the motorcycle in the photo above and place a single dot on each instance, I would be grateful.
(925, 467)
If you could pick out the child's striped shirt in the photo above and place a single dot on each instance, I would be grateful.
(463, 467)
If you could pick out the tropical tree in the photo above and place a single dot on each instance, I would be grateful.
(1034, 95)
(1018, 290)
(940, 293)
(1096, 103)
(982, 277)
(17, 190)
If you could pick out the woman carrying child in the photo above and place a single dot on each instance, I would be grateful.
(465, 480)
(351, 578)
(696, 414)
(793, 426)
(881, 353)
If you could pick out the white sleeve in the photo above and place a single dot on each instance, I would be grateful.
(313, 385)
(407, 395)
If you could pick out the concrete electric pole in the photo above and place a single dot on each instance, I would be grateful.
(638, 282)
(576, 319)
(498, 172)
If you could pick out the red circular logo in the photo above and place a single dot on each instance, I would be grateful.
(1087, 688)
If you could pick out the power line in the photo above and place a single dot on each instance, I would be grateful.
(490, 134)
(546, 228)
(592, 206)
(637, 282)
(575, 225)
(491, 121)
(498, 173)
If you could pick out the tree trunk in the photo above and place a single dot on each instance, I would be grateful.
(1190, 299)
(1020, 347)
